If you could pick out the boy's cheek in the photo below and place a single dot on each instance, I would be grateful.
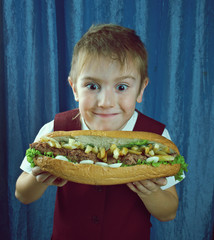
(86, 104)
(128, 104)
(85, 98)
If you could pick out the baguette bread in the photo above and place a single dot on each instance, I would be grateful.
(100, 175)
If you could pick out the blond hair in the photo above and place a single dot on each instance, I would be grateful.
(112, 41)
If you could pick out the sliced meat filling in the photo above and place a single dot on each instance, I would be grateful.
(72, 154)
(79, 155)
(131, 159)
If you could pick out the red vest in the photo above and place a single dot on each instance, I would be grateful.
(84, 212)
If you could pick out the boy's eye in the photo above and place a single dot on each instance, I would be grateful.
(121, 87)
(92, 86)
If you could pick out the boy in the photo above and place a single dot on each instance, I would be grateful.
(108, 76)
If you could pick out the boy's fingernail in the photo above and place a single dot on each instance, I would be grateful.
(164, 182)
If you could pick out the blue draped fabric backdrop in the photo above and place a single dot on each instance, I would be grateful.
(36, 42)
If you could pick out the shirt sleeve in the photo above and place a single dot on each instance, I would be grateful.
(170, 180)
(47, 128)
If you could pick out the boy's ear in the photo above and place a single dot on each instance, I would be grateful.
(73, 86)
(140, 95)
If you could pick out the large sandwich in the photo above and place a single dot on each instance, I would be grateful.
(106, 157)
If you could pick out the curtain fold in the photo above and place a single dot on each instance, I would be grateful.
(4, 208)
(36, 45)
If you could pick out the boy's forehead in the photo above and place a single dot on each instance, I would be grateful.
(98, 61)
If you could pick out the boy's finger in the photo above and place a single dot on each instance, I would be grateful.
(43, 177)
(160, 181)
(36, 171)
(60, 182)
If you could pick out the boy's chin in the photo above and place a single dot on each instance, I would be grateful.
(107, 128)
(105, 125)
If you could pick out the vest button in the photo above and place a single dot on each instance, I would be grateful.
(95, 219)
(98, 188)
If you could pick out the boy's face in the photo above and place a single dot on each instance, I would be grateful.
(107, 93)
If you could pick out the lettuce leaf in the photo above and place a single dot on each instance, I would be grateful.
(31, 153)
(180, 160)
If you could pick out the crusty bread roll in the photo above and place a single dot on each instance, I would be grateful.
(99, 175)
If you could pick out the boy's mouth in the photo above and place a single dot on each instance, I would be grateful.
(106, 115)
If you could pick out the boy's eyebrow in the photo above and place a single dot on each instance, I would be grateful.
(126, 76)
(91, 78)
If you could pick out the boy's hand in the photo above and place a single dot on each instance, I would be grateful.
(147, 187)
(47, 178)
(162, 204)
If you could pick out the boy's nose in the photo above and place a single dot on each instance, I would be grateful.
(106, 99)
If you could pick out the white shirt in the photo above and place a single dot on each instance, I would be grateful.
(49, 127)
